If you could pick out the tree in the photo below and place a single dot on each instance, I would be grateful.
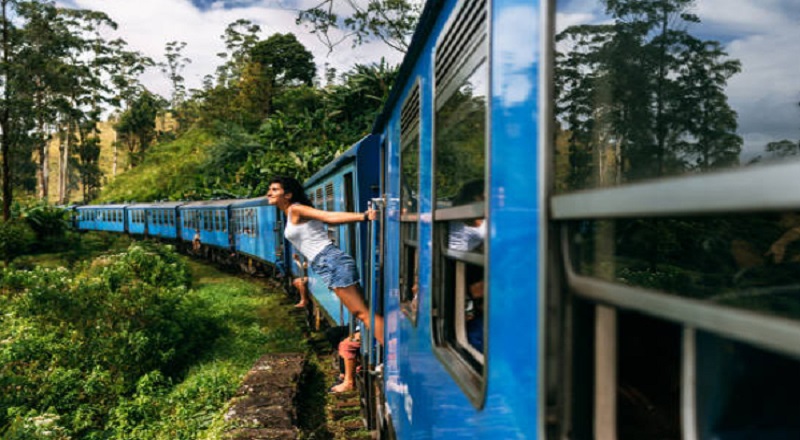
(240, 37)
(173, 68)
(275, 64)
(136, 127)
(642, 97)
(284, 60)
(391, 21)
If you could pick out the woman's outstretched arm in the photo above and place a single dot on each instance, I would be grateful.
(332, 217)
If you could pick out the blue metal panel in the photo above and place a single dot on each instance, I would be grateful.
(101, 218)
(424, 400)
(206, 215)
(263, 244)
(361, 160)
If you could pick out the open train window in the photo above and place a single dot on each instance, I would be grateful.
(333, 231)
(459, 213)
(409, 200)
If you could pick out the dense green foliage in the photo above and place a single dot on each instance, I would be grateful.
(305, 130)
(123, 348)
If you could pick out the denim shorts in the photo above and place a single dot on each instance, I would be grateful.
(335, 267)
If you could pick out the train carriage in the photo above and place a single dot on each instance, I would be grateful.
(101, 218)
(573, 247)
(162, 220)
(136, 218)
(258, 230)
(210, 219)
(346, 184)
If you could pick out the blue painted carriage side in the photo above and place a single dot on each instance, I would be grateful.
(361, 160)
(134, 217)
(161, 219)
(424, 399)
(212, 221)
(101, 218)
(257, 234)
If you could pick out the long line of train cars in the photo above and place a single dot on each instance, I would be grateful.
(589, 223)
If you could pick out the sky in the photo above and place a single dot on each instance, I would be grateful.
(147, 25)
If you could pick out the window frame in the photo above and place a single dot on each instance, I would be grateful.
(410, 221)
(472, 382)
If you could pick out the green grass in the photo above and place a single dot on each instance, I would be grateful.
(170, 171)
(254, 321)
(77, 247)
(257, 323)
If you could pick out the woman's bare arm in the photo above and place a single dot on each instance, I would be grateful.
(331, 217)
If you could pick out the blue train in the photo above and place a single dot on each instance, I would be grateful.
(588, 228)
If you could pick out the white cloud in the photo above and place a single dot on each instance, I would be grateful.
(147, 25)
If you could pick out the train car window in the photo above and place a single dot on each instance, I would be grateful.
(651, 99)
(320, 200)
(409, 197)
(459, 213)
(224, 221)
(747, 261)
(255, 223)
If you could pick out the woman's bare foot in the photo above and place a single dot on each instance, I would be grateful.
(341, 388)
(301, 305)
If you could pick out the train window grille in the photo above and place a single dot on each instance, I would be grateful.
(320, 199)
(409, 211)
(255, 222)
(459, 189)
(333, 231)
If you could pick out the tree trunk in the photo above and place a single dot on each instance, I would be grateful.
(5, 117)
(65, 171)
(114, 162)
(44, 157)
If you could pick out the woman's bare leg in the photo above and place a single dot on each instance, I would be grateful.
(300, 285)
(352, 299)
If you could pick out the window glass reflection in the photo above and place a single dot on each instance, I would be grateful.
(751, 262)
(461, 137)
(649, 89)
(409, 179)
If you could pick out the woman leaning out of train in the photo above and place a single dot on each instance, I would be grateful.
(305, 230)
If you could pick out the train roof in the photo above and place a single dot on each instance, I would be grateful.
(348, 156)
(244, 203)
(114, 206)
(427, 20)
(200, 204)
(161, 205)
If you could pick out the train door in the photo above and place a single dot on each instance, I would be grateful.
(375, 412)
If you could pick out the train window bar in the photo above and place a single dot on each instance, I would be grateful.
(775, 333)
(722, 192)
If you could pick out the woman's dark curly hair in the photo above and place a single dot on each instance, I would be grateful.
(291, 186)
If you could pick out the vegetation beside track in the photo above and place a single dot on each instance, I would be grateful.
(134, 344)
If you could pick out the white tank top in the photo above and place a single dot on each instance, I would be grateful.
(310, 238)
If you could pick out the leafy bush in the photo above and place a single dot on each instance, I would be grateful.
(72, 344)
(16, 238)
(48, 222)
